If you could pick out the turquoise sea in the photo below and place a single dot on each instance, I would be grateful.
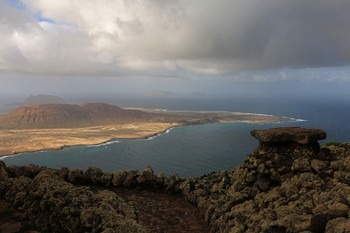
(195, 150)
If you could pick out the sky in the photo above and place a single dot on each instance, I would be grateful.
(270, 48)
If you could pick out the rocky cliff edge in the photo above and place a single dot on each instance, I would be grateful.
(288, 184)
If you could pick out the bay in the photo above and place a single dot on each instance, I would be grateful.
(195, 150)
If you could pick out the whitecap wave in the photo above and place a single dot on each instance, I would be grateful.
(105, 143)
(152, 137)
(159, 134)
(269, 115)
(293, 119)
(7, 156)
(299, 119)
(168, 130)
(260, 114)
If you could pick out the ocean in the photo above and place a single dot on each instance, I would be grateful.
(199, 149)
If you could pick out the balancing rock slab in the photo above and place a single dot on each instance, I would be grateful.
(289, 134)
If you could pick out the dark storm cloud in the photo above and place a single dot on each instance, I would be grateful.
(277, 33)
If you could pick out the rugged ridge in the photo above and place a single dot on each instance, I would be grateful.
(280, 187)
(44, 99)
(40, 99)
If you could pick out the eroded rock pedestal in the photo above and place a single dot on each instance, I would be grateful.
(289, 134)
(287, 184)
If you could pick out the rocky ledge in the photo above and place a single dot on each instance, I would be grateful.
(289, 134)
(286, 185)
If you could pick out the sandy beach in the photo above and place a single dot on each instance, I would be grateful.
(26, 140)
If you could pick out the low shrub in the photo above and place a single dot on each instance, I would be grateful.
(332, 144)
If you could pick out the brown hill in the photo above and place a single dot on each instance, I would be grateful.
(67, 115)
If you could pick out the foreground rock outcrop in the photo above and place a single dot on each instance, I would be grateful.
(94, 201)
(287, 185)
(58, 206)
(280, 187)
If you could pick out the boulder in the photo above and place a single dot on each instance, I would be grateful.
(94, 175)
(3, 172)
(338, 225)
(289, 134)
(146, 177)
(77, 176)
(131, 178)
(119, 177)
(63, 173)
(318, 165)
(301, 165)
(160, 180)
(106, 179)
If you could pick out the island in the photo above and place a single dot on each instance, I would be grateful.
(55, 126)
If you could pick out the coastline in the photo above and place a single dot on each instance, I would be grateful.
(112, 140)
(297, 171)
(16, 141)
(141, 133)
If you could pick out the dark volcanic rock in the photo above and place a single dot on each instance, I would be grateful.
(283, 186)
(94, 175)
(280, 187)
(3, 172)
(77, 176)
(289, 134)
(119, 177)
(131, 179)
(146, 177)
(59, 206)
(30, 170)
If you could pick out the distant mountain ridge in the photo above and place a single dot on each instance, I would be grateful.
(40, 99)
(67, 115)
(160, 93)
(44, 99)
(163, 93)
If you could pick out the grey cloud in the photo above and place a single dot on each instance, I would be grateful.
(277, 33)
(195, 36)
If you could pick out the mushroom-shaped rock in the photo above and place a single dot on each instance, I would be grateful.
(289, 134)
